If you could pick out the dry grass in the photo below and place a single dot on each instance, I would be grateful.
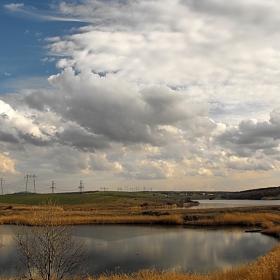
(267, 218)
(101, 220)
(168, 220)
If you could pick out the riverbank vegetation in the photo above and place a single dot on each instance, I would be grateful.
(264, 218)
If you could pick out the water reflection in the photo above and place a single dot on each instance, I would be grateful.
(133, 248)
(234, 203)
(130, 248)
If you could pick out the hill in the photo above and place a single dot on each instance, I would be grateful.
(255, 194)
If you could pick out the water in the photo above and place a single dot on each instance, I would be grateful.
(234, 203)
(130, 248)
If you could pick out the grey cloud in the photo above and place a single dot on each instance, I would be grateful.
(251, 11)
(7, 137)
(42, 100)
(67, 160)
(100, 163)
(251, 137)
(164, 106)
(82, 140)
(118, 111)
(228, 111)
(142, 172)
(36, 101)
(260, 164)
(275, 116)
(31, 139)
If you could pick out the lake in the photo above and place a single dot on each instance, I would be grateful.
(234, 203)
(130, 248)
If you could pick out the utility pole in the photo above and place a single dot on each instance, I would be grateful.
(2, 180)
(53, 187)
(81, 187)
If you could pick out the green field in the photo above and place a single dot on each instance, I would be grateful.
(98, 199)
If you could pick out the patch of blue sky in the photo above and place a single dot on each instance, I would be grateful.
(23, 46)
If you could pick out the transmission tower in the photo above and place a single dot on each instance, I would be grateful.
(27, 177)
(81, 187)
(2, 180)
(34, 177)
(53, 187)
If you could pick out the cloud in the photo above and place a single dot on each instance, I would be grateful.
(75, 136)
(210, 55)
(14, 6)
(154, 90)
(252, 145)
(52, 39)
(32, 13)
(7, 164)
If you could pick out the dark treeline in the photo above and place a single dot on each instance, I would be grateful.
(272, 192)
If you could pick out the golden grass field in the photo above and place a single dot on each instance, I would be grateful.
(266, 218)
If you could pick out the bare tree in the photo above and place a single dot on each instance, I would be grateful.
(48, 249)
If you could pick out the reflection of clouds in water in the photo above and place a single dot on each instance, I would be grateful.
(8, 256)
(6, 239)
(180, 248)
(233, 203)
(130, 248)
(6, 236)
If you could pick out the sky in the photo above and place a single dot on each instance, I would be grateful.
(142, 94)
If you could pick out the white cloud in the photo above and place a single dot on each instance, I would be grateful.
(52, 39)
(7, 164)
(14, 6)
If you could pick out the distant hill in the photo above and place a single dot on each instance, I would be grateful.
(256, 194)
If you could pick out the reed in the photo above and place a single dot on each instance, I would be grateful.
(97, 219)
(265, 218)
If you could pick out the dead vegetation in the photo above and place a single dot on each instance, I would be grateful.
(266, 218)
